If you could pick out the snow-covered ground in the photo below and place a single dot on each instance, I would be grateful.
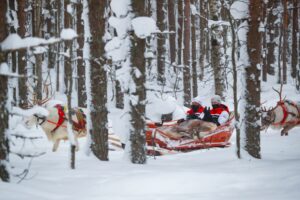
(203, 174)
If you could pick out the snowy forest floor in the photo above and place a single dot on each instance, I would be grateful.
(203, 174)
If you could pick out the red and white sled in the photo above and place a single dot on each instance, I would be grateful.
(160, 143)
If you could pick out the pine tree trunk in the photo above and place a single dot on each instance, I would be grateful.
(37, 32)
(137, 105)
(161, 51)
(202, 39)
(4, 148)
(23, 98)
(80, 66)
(272, 35)
(194, 53)
(284, 41)
(217, 66)
(179, 31)
(252, 88)
(172, 28)
(295, 39)
(235, 85)
(99, 131)
(69, 79)
(186, 53)
(264, 41)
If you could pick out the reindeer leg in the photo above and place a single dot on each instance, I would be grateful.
(55, 145)
(286, 129)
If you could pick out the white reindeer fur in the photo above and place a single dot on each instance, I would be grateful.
(279, 115)
(60, 133)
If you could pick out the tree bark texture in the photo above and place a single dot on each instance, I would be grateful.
(22, 83)
(137, 134)
(295, 31)
(37, 32)
(99, 131)
(186, 54)
(4, 148)
(161, 41)
(216, 39)
(80, 65)
(272, 34)
(194, 54)
(179, 31)
(284, 41)
(203, 33)
(172, 28)
(252, 94)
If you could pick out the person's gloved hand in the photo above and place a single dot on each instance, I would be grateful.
(180, 121)
(207, 115)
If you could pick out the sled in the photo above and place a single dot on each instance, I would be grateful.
(160, 143)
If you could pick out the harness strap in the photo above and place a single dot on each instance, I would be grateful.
(61, 117)
(286, 112)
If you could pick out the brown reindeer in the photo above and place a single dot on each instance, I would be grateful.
(188, 129)
(285, 115)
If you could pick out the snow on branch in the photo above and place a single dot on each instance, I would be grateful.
(144, 26)
(14, 42)
(38, 110)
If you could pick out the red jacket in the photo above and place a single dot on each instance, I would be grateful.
(219, 109)
(195, 115)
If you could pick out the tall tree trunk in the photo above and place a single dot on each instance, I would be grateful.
(252, 87)
(179, 31)
(161, 51)
(23, 98)
(235, 85)
(4, 148)
(172, 28)
(284, 41)
(37, 32)
(99, 131)
(137, 104)
(216, 39)
(69, 81)
(271, 33)
(80, 66)
(186, 53)
(295, 39)
(264, 41)
(202, 39)
(194, 53)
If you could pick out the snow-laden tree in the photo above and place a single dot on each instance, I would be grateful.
(137, 90)
(98, 108)
(216, 49)
(251, 59)
(4, 149)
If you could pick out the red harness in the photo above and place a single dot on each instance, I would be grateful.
(286, 113)
(61, 116)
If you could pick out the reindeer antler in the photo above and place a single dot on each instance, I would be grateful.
(279, 92)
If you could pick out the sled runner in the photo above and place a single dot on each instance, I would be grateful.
(160, 142)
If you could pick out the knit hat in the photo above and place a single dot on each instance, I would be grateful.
(216, 99)
(197, 100)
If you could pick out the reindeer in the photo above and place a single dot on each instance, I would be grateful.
(286, 115)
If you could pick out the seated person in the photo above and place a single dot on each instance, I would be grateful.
(196, 109)
(219, 114)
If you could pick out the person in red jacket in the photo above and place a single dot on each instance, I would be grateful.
(219, 114)
(196, 109)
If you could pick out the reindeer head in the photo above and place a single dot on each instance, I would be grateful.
(267, 117)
